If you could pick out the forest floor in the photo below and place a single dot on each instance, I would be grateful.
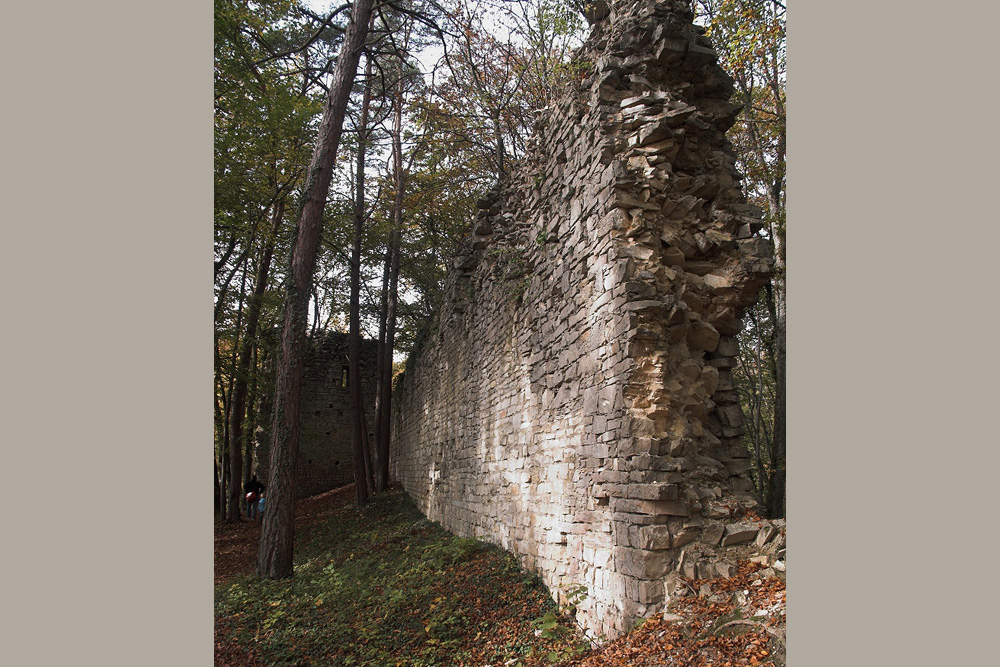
(385, 587)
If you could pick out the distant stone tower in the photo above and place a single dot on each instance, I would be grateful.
(325, 459)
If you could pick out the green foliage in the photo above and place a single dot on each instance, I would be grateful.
(544, 236)
(384, 586)
(555, 625)
(439, 208)
(505, 60)
(451, 552)
(512, 269)
(750, 38)
(264, 125)
(755, 381)
(551, 30)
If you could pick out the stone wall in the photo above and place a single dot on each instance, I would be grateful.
(325, 458)
(573, 400)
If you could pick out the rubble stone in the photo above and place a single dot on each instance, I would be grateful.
(737, 533)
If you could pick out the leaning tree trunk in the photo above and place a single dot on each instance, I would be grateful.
(274, 559)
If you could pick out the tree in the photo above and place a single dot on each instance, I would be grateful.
(363, 484)
(263, 110)
(274, 559)
(241, 384)
(479, 97)
(750, 38)
(392, 282)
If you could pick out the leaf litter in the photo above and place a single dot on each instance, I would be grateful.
(385, 587)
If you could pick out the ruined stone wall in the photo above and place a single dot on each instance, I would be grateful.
(573, 400)
(325, 458)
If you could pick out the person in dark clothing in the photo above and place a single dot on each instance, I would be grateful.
(253, 489)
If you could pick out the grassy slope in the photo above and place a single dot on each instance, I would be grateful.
(386, 587)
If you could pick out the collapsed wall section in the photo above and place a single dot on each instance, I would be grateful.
(573, 400)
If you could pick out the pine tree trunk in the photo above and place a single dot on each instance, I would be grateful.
(359, 448)
(218, 488)
(380, 478)
(218, 451)
(366, 454)
(274, 560)
(385, 382)
(385, 404)
(243, 366)
(251, 421)
(233, 445)
(776, 495)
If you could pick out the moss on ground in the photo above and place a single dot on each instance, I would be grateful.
(384, 586)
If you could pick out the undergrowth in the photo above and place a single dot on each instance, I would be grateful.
(385, 587)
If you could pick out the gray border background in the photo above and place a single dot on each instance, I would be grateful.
(107, 278)
(107, 385)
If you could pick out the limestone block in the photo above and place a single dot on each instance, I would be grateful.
(705, 570)
(642, 564)
(717, 282)
(776, 546)
(703, 336)
(632, 611)
(652, 507)
(670, 51)
(650, 592)
(725, 569)
(737, 533)
(685, 536)
(767, 531)
(654, 538)
(741, 485)
(731, 415)
(651, 491)
(601, 557)
(722, 362)
(738, 466)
